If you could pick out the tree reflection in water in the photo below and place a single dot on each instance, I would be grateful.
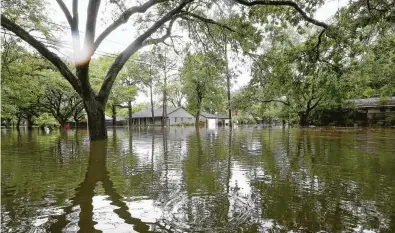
(246, 180)
(97, 172)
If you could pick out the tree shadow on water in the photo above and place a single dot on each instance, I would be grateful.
(97, 172)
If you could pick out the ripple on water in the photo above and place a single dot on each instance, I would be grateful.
(183, 213)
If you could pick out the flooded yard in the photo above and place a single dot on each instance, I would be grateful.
(184, 180)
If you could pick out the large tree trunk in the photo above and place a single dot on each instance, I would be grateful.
(303, 119)
(30, 123)
(96, 119)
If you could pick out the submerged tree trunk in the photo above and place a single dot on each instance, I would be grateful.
(152, 105)
(18, 122)
(130, 113)
(96, 119)
(114, 115)
(304, 119)
(30, 123)
(164, 123)
(228, 84)
(198, 112)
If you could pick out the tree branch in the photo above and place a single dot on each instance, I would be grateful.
(131, 49)
(283, 3)
(40, 47)
(123, 18)
(74, 29)
(93, 9)
(270, 101)
(209, 21)
(66, 12)
(317, 46)
(162, 38)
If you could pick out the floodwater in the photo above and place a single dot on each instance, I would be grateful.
(183, 180)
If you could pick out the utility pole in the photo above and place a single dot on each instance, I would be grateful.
(228, 81)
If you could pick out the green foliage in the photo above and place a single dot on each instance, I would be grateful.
(291, 75)
(202, 79)
(46, 119)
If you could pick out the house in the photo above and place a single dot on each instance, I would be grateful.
(379, 111)
(120, 121)
(175, 116)
(213, 120)
(374, 105)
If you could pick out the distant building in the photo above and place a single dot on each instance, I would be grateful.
(120, 121)
(374, 105)
(175, 116)
(211, 119)
(379, 111)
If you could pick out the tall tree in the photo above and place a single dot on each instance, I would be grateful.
(166, 13)
(202, 76)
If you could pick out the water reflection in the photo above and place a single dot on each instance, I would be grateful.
(185, 179)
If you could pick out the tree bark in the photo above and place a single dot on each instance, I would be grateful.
(152, 105)
(164, 123)
(304, 119)
(114, 115)
(30, 123)
(96, 119)
(198, 113)
(130, 113)
(228, 84)
(18, 123)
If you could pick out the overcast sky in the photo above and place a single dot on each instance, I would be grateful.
(124, 35)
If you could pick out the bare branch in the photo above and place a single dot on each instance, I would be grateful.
(66, 12)
(162, 38)
(283, 3)
(123, 18)
(42, 49)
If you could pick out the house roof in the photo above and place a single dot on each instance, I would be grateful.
(373, 102)
(159, 111)
(208, 115)
(223, 117)
(119, 118)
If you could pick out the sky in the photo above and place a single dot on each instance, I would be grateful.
(124, 35)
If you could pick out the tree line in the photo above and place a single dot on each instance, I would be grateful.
(300, 64)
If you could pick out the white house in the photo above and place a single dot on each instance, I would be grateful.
(175, 115)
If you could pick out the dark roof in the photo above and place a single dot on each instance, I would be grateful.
(159, 111)
(372, 102)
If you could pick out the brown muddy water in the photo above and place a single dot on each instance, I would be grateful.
(183, 180)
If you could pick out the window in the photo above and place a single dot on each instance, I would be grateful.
(393, 109)
(190, 118)
(175, 119)
(382, 109)
(182, 119)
